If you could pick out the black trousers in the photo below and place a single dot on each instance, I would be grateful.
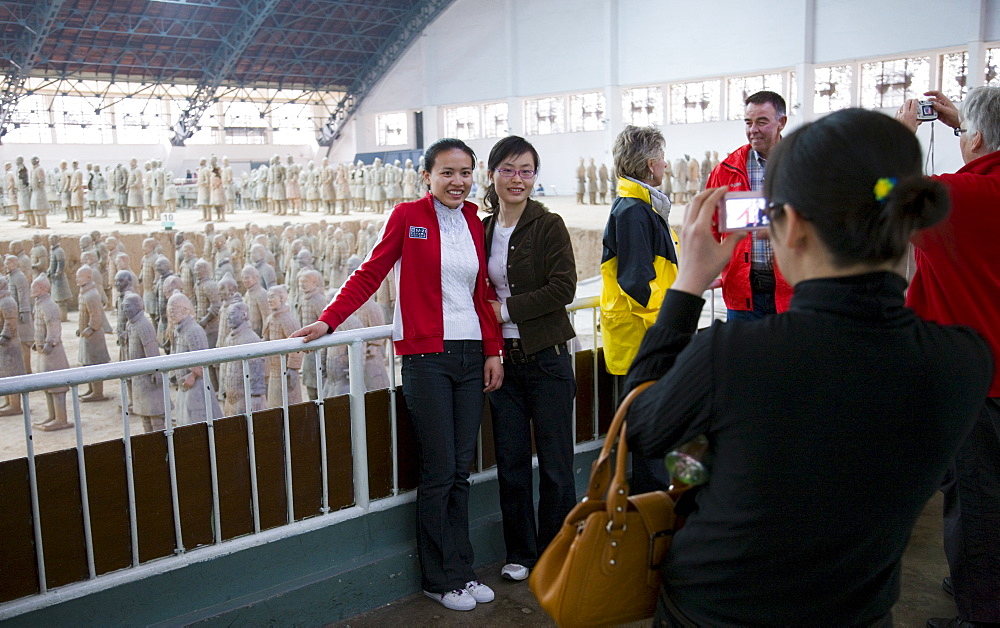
(972, 519)
(444, 394)
(536, 394)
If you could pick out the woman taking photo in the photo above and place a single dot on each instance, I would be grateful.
(830, 425)
(449, 340)
(532, 269)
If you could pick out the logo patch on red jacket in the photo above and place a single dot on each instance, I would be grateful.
(420, 233)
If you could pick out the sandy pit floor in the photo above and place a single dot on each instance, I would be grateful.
(102, 420)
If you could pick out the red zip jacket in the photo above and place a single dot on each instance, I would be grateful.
(957, 281)
(736, 291)
(411, 241)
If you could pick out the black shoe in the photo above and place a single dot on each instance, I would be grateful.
(946, 586)
(944, 622)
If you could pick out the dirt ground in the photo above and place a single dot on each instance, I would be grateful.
(102, 420)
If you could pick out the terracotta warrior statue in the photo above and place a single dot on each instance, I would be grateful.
(52, 355)
(188, 335)
(20, 290)
(61, 292)
(266, 272)
(147, 274)
(38, 211)
(136, 192)
(146, 391)
(280, 324)
(312, 301)
(231, 373)
(170, 286)
(162, 269)
(230, 295)
(602, 183)
(11, 360)
(337, 381)
(39, 256)
(93, 349)
(124, 285)
(207, 305)
(255, 296)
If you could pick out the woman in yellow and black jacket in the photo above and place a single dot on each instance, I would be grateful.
(639, 261)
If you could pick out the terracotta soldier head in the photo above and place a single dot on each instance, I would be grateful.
(238, 314)
(123, 282)
(277, 296)
(178, 308)
(84, 275)
(258, 252)
(201, 269)
(123, 262)
(162, 266)
(40, 287)
(250, 277)
(132, 305)
(309, 280)
(227, 286)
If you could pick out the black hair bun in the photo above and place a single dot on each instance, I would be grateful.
(920, 200)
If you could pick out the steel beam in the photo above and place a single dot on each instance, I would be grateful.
(390, 52)
(223, 62)
(25, 55)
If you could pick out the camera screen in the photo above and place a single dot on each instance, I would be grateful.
(745, 213)
(927, 110)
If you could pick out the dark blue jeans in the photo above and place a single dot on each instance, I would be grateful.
(444, 394)
(972, 519)
(763, 306)
(536, 395)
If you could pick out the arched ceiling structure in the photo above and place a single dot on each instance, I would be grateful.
(315, 45)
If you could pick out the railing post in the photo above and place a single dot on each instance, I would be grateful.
(36, 519)
(359, 431)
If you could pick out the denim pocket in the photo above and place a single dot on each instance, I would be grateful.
(557, 366)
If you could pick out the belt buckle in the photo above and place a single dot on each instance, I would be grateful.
(517, 356)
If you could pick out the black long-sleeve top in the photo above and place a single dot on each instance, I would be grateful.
(829, 428)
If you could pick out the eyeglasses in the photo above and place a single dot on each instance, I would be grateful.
(773, 209)
(507, 173)
(959, 131)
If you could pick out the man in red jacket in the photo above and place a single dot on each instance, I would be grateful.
(752, 286)
(957, 281)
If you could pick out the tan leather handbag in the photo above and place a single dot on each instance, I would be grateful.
(603, 566)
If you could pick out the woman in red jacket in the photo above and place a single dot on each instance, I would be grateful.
(450, 343)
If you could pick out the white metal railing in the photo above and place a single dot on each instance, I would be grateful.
(353, 339)
(74, 377)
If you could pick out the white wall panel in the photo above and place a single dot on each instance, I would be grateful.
(668, 41)
(849, 29)
(559, 45)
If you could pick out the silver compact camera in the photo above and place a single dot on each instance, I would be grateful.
(925, 110)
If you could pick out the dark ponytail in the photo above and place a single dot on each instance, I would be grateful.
(856, 176)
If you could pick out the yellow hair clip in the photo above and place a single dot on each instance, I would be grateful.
(883, 186)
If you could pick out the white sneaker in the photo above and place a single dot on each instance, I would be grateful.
(513, 571)
(457, 600)
(479, 591)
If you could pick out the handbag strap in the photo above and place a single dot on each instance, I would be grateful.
(600, 471)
